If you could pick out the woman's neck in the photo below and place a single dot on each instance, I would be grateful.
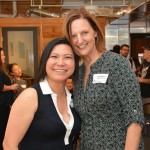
(58, 88)
(89, 60)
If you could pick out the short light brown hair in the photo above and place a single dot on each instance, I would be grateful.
(83, 13)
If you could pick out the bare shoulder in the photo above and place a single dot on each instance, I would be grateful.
(27, 99)
(28, 93)
(26, 104)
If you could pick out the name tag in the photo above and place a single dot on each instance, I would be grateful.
(100, 78)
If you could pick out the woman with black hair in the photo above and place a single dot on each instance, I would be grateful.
(43, 117)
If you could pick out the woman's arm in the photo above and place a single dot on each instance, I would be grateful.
(21, 116)
(133, 137)
(142, 80)
(127, 86)
(10, 87)
(5, 83)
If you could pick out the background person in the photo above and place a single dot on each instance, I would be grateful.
(124, 50)
(43, 117)
(69, 85)
(133, 61)
(135, 64)
(116, 49)
(107, 94)
(144, 76)
(16, 73)
(6, 96)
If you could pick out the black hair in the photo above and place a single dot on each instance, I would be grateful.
(126, 45)
(116, 49)
(9, 67)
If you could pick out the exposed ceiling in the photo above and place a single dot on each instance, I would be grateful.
(81, 2)
(137, 16)
(109, 8)
(125, 10)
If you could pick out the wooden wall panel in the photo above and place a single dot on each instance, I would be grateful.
(1, 37)
(6, 7)
(48, 28)
(137, 45)
(102, 23)
(138, 40)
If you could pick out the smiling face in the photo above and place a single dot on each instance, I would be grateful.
(61, 64)
(83, 37)
(16, 71)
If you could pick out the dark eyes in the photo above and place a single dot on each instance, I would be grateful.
(68, 57)
(55, 57)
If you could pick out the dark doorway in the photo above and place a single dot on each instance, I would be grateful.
(139, 40)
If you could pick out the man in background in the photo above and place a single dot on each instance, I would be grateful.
(144, 76)
(133, 61)
(69, 85)
(124, 50)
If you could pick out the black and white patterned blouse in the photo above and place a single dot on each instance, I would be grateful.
(110, 103)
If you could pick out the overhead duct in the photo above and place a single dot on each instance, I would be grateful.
(14, 3)
(101, 11)
(42, 13)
